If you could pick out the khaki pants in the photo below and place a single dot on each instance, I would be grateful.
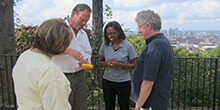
(78, 95)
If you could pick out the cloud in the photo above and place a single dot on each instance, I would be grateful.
(174, 13)
(138, 4)
(30, 10)
(192, 12)
(36, 11)
(124, 16)
(127, 18)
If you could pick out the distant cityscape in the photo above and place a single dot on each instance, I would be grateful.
(193, 41)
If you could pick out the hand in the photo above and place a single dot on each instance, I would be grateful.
(86, 60)
(109, 62)
(113, 63)
(74, 53)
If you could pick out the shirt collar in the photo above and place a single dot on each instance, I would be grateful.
(151, 38)
(121, 43)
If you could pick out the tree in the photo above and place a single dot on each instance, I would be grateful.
(108, 13)
(138, 42)
(7, 36)
(7, 46)
(96, 38)
(97, 24)
(214, 52)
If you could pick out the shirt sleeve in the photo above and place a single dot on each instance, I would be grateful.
(132, 52)
(54, 91)
(152, 63)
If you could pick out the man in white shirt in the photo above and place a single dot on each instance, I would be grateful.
(78, 52)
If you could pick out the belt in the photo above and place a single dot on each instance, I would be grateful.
(73, 73)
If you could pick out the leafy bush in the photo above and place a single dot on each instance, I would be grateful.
(138, 43)
(25, 36)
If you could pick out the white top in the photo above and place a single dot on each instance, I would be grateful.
(80, 42)
(40, 84)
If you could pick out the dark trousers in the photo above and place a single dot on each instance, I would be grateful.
(121, 89)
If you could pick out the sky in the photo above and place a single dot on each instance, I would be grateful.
(181, 14)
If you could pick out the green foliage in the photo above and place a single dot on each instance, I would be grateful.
(25, 36)
(193, 82)
(108, 12)
(214, 52)
(138, 43)
(93, 92)
(183, 52)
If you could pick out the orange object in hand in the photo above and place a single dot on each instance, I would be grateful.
(87, 66)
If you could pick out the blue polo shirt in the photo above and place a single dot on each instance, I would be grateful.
(155, 64)
(124, 54)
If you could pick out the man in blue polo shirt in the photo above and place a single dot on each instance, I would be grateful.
(153, 75)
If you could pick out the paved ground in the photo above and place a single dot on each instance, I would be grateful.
(175, 109)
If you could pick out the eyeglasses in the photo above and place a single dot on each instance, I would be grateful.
(111, 33)
(141, 26)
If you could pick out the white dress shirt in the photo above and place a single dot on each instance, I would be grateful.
(80, 42)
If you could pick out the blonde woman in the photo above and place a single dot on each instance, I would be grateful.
(40, 84)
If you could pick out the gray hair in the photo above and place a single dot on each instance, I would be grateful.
(149, 16)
